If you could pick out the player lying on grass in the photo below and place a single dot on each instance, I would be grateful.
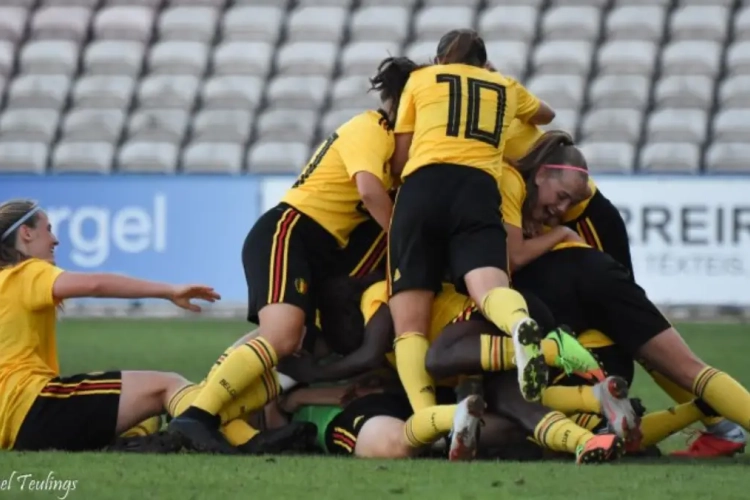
(39, 408)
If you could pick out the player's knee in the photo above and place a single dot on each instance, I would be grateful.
(282, 325)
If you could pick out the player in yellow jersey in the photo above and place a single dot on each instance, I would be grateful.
(294, 246)
(39, 408)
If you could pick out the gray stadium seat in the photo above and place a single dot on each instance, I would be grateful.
(722, 157)
(352, 92)
(670, 157)
(96, 125)
(222, 126)
(28, 4)
(565, 119)
(324, 3)
(252, 23)
(29, 125)
(509, 22)
(563, 58)
(188, 23)
(560, 91)
(691, 58)
(604, 125)
(742, 24)
(510, 58)
(297, 92)
(701, 22)
(380, 23)
(179, 58)
(677, 125)
(307, 58)
(287, 125)
(110, 57)
(38, 92)
(232, 92)
(30, 157)
(684, 92)
(442, 3)
(381, 3)
(12, 22)
(619, 91)
(337, 117)
(636, 22)
(531, 3)
(738, 58)
(725, 3)
(422, 52)
(83, 157)
(243, 58)
(61, 23)
(609, 157)
(627, 58)
(48, 57)
(168, 92)
(430, 23)
(735, 92)
(207, 3)
(277, 3)
(363, 58)
(124, 23)
(148, 157)
(319, 24)
(152, 4)
(277, 157)
(104, 92)
(212, 158)
(732, 125)
(594, 3)
(7, 56)
(661, 3)
(158, 125)
(571, 23)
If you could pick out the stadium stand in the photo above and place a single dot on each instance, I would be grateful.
(217, 86)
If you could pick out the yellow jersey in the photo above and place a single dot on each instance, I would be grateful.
(513, 191)
(326, 191)
(577, 210)
(28, 343)
(521, 137)
(460, 114)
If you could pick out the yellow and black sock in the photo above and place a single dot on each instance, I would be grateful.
(238, 432)
(570, 400)
(260, 392)
(658, 426)
(146, 428)
(558, 433)
(505, 308)
(496, 353)
(589, 421)
(411, 352)
(724, 394)
(183, 399)
(429, 424)
(679, 395)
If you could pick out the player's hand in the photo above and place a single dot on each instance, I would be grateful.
(182, 296)
(301, 367)
(570, 236)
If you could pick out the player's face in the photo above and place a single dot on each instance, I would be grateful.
(39, 241)
(558, 191)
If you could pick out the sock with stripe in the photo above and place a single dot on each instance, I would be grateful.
(570, 400)
(182, 399)
(588, 421)
(264, 389)
(659, 425)
(505, 308)
(428, 425)
(147, 427)
(680, 395)
(238, 432)
(496, 353)
(558, 433)
(411, 352)
(724, 394)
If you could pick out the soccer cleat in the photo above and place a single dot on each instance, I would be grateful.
(159, 443)
(573, 358)
(622, 416)
(197, 436)
(465, 427)
(296, 437)
(711, 446)
(532, 369)
(600, 449)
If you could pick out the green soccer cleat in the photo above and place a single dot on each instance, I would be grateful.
(573, 358)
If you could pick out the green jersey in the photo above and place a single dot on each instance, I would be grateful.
(321, 416)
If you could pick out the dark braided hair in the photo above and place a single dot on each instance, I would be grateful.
(391, 78)
(462, 46)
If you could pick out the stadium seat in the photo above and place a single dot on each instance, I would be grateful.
(318, 24)
(565, 119)
(530, 3)
(605, 125)
(337, 117)
(83, 157)
(692, 58)
(700, 22)
(563, 58)
(148, 157)
(725, 3)
(124, 23)
(95, 125)
(232, 92)
(104, 92)
(422, 52)
(38, 92)
(287, 125)
(61, 23)
(677, 125)
(732, 125)
(510, 58)
(619, 91)
(28, 4)
(509, 22)
(735, 92)
(213, 158)
(430, 23)
(670, 158)
(440, 3)
(152, 4)
(382, 3)
(560, 91)
(12, 23)
(352, 92)
(571, 23)
(243, 58)
(593, 3)
(380, 23)
(297, 92)
(188, 23)
(252, 23)
(7, 56)
(277, 3)
(627, 58)
(636, 22)
(158, 125)
(723, 157)
(179, 58)
(363, 58)
(741, 24)
(738, 58)
(168, 92)
(277, 157)
(324, 3)
(307, 58)
(111, 57)
(49, 57)
(29, 125)
(26, 157)
(661, 3)
(684, 92)
(222, 126)
(609, 157)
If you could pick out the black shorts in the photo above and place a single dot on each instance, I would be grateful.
(77, 413)
(284, 255)
(365, 251)
(613, 360)
(446, 218)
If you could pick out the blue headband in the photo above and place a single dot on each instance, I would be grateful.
(20, 222)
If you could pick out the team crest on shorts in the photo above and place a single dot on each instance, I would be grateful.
(301, 286)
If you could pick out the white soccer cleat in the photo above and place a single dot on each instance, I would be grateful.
(532, 368)
(623, 419)
(465, 426)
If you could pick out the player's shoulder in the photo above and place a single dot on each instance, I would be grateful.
(28, 266)
(512, 176)
(369, 121)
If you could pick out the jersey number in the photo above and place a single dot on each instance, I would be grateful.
(315, 162)
(473, 114)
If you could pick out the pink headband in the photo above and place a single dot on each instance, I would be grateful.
(566, 167)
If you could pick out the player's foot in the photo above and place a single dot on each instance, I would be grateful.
(619, 411)
(573, 358)
(160, 442)
(709, 445)
(197, 436)
(600, 449)
(465, 426)
(297, 437)
(532, 369)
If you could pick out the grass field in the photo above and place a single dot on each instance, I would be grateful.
(190, 347)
